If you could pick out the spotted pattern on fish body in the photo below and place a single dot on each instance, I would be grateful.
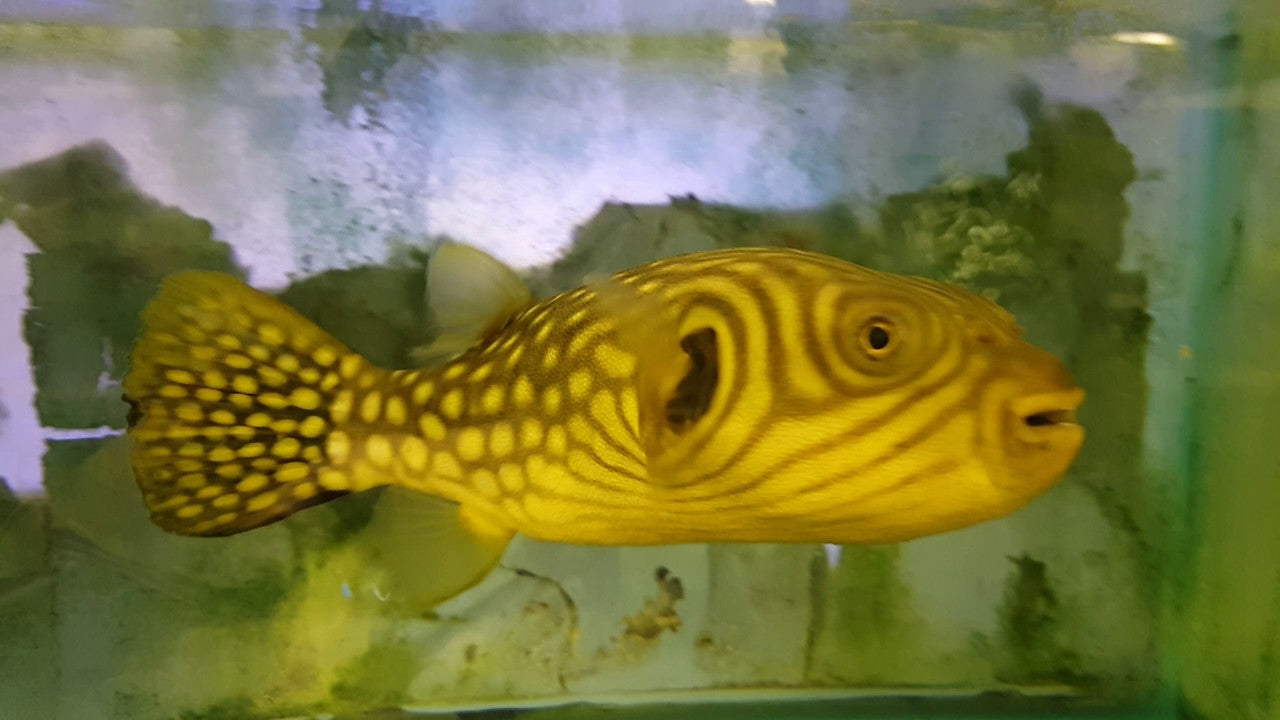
(591, 448)
(225, 439)
(761, 395)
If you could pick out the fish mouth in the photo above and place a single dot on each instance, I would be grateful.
(1044, 413)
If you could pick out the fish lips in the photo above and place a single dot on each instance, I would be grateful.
(1048, 418)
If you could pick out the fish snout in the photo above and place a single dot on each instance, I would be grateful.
(1041, 434)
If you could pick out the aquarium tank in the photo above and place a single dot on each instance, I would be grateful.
(1104, 169)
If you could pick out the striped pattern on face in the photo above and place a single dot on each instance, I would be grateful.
(807, 402)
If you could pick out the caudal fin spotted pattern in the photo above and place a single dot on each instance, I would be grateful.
(230, 392)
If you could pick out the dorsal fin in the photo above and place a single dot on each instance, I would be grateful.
(470, 295)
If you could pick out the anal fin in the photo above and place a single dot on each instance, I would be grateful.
(646, 328)
(418, 551)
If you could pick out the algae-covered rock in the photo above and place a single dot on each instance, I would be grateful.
(28, 658)
(23, 541)
(103, 249)
(98, 513)
(378, 312)
(1048, 233)
(173, 604)
(623, 235)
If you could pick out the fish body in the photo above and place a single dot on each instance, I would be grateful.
(756, 395)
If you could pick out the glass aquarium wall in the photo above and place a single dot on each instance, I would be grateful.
(1104, 170)
(1229, 636)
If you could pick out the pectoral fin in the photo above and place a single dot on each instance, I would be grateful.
(677, 373)
(647, 330)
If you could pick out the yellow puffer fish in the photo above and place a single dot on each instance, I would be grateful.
(754, 395)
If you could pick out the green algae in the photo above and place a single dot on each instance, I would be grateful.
(379, 312)
(1032, 626)
(866, 629)
(237, 708)
(103, 249)
(29, 667)
(1228, 625)
(380, 677)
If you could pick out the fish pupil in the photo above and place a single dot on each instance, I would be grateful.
(878, 337)
(693, 395)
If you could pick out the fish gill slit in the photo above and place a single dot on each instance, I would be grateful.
(695, 391)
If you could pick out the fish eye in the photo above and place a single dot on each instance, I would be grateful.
(878, 337)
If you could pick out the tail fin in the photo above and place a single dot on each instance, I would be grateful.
(231, 394)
